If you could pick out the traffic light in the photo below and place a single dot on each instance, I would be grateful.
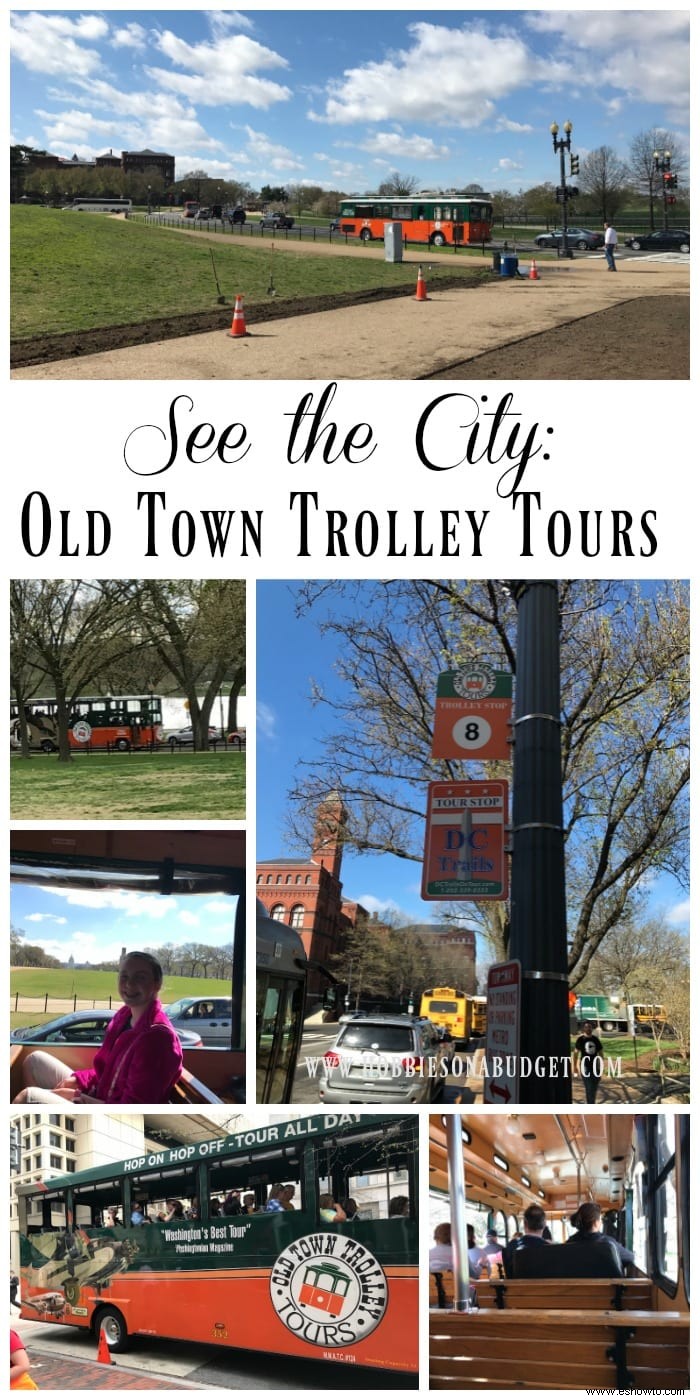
(560, 195)
(572, 192)
(673, 182)
(671, 199)
(574, 165)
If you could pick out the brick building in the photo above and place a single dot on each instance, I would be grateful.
(149, 160)
(308, 894)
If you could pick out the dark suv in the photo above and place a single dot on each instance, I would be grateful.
(237, 215)
(277, 220)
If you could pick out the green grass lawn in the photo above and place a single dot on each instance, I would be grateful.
(191, 786)
(87, 984)
(622, 1046)
(75, 272)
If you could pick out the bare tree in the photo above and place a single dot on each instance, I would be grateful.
(625, 698)
(399, 184)
(643, 148)
(604, 177)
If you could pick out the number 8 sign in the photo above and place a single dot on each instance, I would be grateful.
(473, 713)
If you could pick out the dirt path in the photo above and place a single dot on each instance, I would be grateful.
(575, 322)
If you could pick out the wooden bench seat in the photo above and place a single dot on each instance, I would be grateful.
(544, 1293)
(559, 1349)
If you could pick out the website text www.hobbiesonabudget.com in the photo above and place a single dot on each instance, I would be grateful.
(461, 1067)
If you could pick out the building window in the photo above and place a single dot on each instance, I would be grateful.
(54, 1140)
(307, 880)
(268, 880)
(55, 1119)
(277, 912)
(296, 917)
(288, 880)
(259, 880)
(56, 1161)
(70, 1144)
(69, 1125)
(37, 1139)
(297, 880)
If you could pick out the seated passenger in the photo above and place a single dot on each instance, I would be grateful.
(232, 1204)
(139, 1060)
(535, 1223)
(286, 1197)
(249, 1203)
(330, 1211)
(350, 1208)
(273, 1202)
(441, 1253)
(399, 1205)
(588, 1223)
(477, 1263)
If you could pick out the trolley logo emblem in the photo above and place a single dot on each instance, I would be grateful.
(329, 1290)
(478, 679)
(82, 732)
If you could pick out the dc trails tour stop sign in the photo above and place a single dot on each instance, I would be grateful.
(328, 1290)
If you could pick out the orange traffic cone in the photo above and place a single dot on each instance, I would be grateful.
(104, 1354)
(238, 322)
(421, 294)
(533, 275)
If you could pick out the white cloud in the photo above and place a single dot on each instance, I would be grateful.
(507, 164)
(128, 902)
(451, 76)
(266, 721)
(505, 124)
(131, 36)
(394, 145)
(49, 43)
(187, 917)
(644, 53)
(679, 913)
(266, 154)
(224, 73)
(220, 21)
(44, 918)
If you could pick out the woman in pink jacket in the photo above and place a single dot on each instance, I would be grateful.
(139, 1060)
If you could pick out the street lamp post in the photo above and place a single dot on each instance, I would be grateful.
(562, 144)
(662, 166)
(149, 199)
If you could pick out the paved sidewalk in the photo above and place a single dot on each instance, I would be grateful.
(53, 1372)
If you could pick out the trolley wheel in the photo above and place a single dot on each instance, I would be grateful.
(111, 1321)
(48, 746)
(438, 240)
(366, 235)
(608, 1025)
(122, 745)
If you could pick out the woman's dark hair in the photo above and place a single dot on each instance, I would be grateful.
(349, 1206)
(443, 1233)
(587, 1217)
(153, 963)
(471, 1237)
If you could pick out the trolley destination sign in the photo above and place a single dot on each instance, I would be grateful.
(473, 713)
(465, 854)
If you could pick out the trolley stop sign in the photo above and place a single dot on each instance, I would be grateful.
(465, 841)
(473, 712)
(502, 1052)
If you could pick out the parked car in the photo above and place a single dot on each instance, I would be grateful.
(671, 240)
(204, 212)
(378, 1058)
(84, 1028)
(583, 238)
(277, 220)
(181, 737)
(207, 1017)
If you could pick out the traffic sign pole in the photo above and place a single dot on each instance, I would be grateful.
(538, 899)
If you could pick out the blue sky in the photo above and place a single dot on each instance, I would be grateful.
(291, 654)
(92, 925)
(342, 98)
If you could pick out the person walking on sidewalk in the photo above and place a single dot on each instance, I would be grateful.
(610, 246)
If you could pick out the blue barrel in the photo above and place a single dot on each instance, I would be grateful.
(509, 265)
